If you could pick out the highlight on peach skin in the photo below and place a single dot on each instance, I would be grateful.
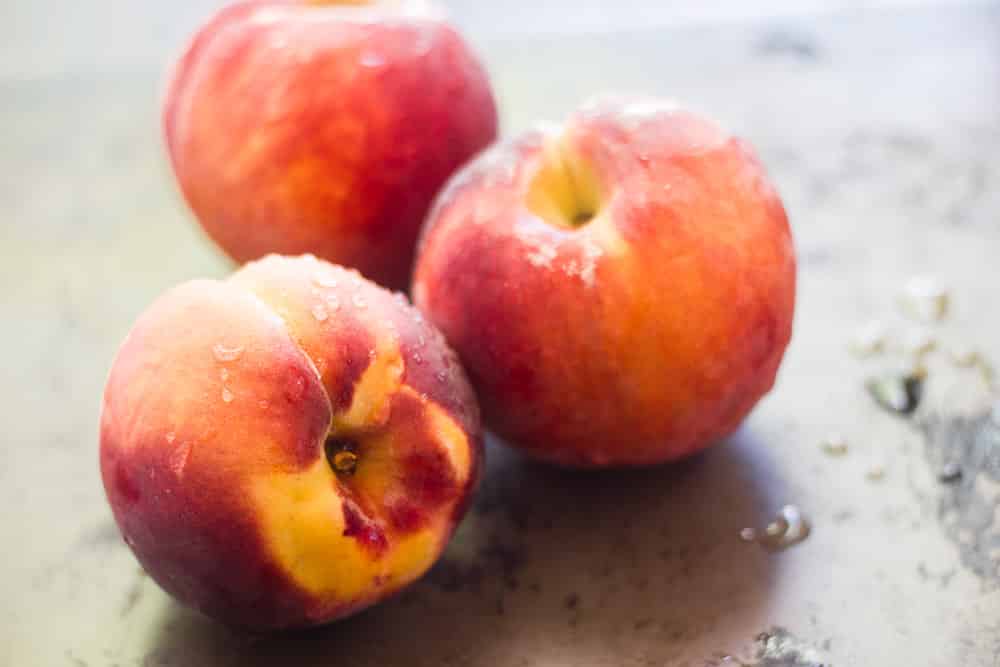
(620, 289)
(325, 127)
(287, 446)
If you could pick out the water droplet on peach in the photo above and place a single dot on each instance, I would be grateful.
(359, 302)
(223, 374)
(319, 312)
(227, 396)
(324, 279)
(224, 353)
(369, 59)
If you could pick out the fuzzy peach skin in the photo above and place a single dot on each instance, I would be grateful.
(288, 446)
(324, 127)
(620, 289)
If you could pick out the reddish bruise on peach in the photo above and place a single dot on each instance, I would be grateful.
(287, 446)
(324, 127)
(620, 290)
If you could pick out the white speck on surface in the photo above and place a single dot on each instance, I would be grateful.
(919, 343)
(834, 445)
(964, 357)
(869, 340)
(319, 312)
(925, 299)
(224, 353)
(875, 472)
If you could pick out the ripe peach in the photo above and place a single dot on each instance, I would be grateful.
(620, 291)
(287, 446)
(325, 127)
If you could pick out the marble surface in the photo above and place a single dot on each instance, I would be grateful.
(881, 129)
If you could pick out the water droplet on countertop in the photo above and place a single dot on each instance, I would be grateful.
(898, 392)
(950, 473)
(227, 396)
(789, 528)
(834, 445)
(224, 353)
(319, 312)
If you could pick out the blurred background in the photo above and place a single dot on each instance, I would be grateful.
(880, 122)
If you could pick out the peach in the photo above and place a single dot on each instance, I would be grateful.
(287, 446)
(620, 289)
(325, 127)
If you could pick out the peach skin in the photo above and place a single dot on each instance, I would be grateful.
(287, 446)
(325, 127)
(620, 290)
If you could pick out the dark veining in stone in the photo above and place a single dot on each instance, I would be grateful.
(967, 507)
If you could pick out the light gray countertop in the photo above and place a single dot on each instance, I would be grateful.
(881, 129)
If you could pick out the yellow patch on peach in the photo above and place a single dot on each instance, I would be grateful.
(372, 394)
(303, 523)
(452, 439)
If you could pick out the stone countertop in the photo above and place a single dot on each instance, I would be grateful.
(882, 131)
